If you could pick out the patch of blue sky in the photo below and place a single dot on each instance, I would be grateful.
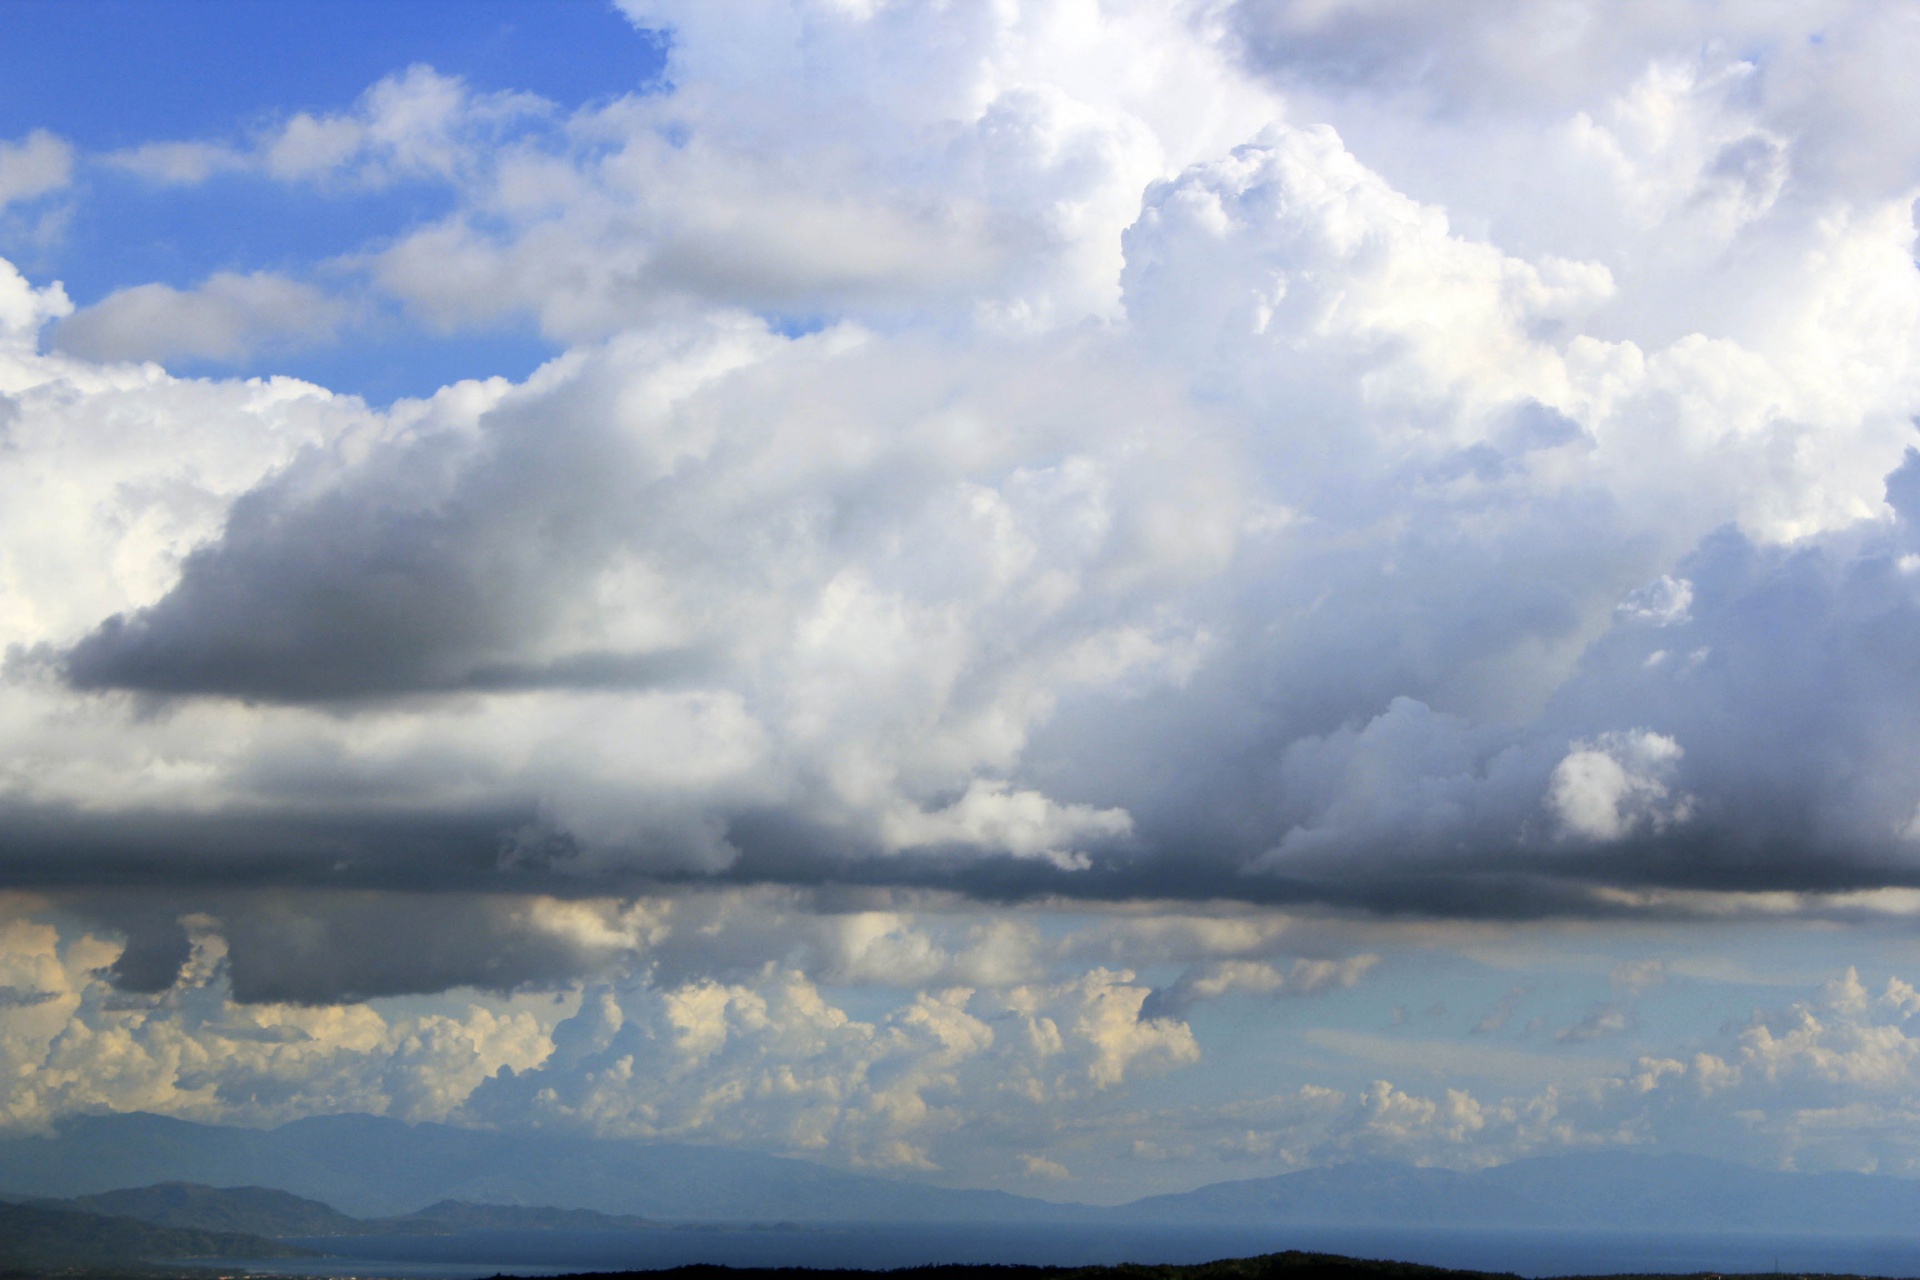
(108, 74)
(121, 230)
(797, 325)
(124, 229)
(114, 74)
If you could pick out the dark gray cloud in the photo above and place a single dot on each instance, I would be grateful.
(433, 564)
(1785, 676)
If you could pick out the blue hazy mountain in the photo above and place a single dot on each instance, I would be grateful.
(1600, 1190)
(370, 1167)
(264, 1211)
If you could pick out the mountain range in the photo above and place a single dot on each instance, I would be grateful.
(265, 1211)
(330, 1175)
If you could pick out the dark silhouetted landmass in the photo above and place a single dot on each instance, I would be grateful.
(34, 1236)
(263, 1211)
(1291, 1265)
(191, 1206)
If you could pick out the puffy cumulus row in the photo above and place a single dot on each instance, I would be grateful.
(1026, 1079)
(1823, 1084)
(316, 947)
(1016, 449)
(72, 1042)
(770, 1063)
(714, 1026)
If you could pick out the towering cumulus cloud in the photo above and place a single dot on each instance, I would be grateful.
(1338, 463)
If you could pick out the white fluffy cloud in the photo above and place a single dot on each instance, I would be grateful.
(71, 1043)
(1199, 432)
(715, 1022)
(226, 317)
(33, 166)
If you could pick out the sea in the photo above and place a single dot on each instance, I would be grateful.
(477, 1254)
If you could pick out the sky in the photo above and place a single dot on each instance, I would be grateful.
(1085, 598)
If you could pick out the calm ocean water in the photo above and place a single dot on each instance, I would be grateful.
(1527, 1253)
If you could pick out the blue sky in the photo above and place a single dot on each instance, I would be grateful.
(109, 76)
(1084, 599)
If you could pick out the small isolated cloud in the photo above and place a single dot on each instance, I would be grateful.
(1663, 602)
(1496, 1018)
(1255, 977)
(1025, 823)
(1634, 976)
(1041, 1167)
(228, 317)
(1617, 785)
(416, 124)
(35, 165)
(1616, 1016)
(1607, 1020)
(179, 163)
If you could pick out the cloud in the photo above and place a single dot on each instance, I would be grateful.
(705, 1060)
(227, 317)
(985, 173)
(1817, 1085)
(75, 1045)
(1255, 977)
(872, 646)
(415, 125)
(34, 166)
(1607, 789)
(1605, 1020)
(1041, 1167)
(1496, 1018)
(178, 163)
(936, 1079)
(1052, 462)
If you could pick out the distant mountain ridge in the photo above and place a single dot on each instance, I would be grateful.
(265, 1211)
(1600, 1190)
(438, 1178)
(374, 1167)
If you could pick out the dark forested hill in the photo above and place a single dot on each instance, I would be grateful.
(260, 1211)
(33, 1235)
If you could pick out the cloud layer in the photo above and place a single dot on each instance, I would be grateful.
(1001, 1054)
(1253, 479)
